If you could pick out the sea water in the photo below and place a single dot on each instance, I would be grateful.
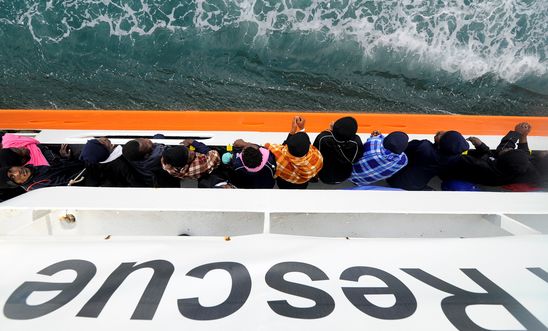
(407, 56)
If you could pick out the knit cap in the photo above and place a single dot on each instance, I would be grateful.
(396, 142)
(453, 143)
(94, 152)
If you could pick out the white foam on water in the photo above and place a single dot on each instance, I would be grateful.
(506, 37)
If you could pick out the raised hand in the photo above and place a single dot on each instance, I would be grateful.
(475, 141)
(187, 142)
(297, 124)
(300, 122)
(65, 151)
(523, 128)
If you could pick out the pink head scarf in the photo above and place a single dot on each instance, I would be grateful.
(265, 153)
(36, 157)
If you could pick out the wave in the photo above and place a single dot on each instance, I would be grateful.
(507, 38)
(354, 53)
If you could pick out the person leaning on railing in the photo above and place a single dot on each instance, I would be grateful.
(297, 161)
(427, 160)
(382, 158)
(253, 166)
(105, 165)
(341, 148)
(183, 162)
(510, 163)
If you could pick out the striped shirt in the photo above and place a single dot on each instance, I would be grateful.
(377, 163)
(296, 170)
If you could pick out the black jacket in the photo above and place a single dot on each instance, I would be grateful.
(47, 176)
(117, 173)
(264, 178)
(150, 169)
(425, 162)
(482, 166)
(338, 156)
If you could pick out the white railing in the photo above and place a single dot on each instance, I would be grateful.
(319, 213)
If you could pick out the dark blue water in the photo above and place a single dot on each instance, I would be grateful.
(461, 56)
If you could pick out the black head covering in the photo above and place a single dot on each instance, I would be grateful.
(94, 152)
(345, 128)
(396, 142)
(176, 156)
(9, 158)
(513, 162)
(298, 144)
(453, 143)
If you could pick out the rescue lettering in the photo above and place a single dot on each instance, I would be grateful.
(453, 306)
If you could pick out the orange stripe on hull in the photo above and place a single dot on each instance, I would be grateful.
(259, 121)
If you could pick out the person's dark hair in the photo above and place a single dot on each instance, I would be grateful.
(252, 157)
(298, 144)
(131, 151)
(176, 156)
(9, 158)
(345, 128)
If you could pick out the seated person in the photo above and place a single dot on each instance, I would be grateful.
(106, 167)
(507, 168)
(383, 157)
(27, 147)
(253, 167)
(16, 155)
(144, 156)
(340, 148)
(297, 161)
(506, 165)
(427, 159)
(29, 177)
(516, 138)
(182, 162)
(536, 178)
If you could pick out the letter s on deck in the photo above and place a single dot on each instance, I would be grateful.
(324, 302)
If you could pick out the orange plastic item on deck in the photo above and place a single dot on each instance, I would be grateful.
(259, 121)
